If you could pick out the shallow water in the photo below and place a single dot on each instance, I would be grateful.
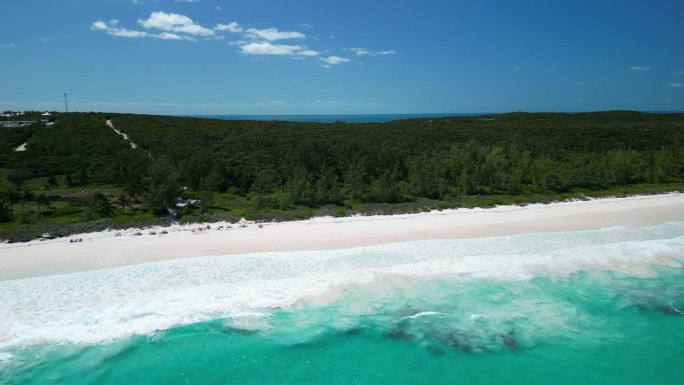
(600, 306)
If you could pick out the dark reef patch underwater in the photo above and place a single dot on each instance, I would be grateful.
(619, 322)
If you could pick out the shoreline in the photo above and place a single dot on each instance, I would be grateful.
(102, 250)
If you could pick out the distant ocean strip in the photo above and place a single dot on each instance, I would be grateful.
(354, 118)
(361, 118)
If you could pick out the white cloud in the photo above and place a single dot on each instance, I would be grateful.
(187, 1)
(174, 23)
(361, 51)
(261, 41)
(388, 52)
(7, 45)
(517, 69)
(676, 85)
(273, 34)
(366, 52)
(99, 25)
(170, 36)
(252, 41)
(111, 28)
(640, 68)
(230, 27)
(308, 52)
(218, 8)
(676, 73)
(266, 48)
(137, 2)
(333, 60)
(590, 82)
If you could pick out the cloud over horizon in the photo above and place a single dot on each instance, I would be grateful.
(174, 23)
(266, 48)
(366, 52)
(269, 41)
(333, 60)
(170, 26)
(230, 27)
(260, 41)
(273, 34)
(111, 28)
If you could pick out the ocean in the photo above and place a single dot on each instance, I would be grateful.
(580, 307)
(356, 118)
(351, 118)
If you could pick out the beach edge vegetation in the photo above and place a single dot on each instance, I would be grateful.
(79, 174)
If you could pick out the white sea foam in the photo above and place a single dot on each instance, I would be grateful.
(421, 314)
(250, 321)
(5, 357)
(103, 305)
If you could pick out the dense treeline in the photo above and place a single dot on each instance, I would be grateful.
(283, 163)
(275, 165)
(74, 147)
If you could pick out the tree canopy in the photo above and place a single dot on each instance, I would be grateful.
(277, 165)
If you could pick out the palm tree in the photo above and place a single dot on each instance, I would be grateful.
(27, 198)
(124, 201)
(13, 197)
(43, 201)
(18, 177)
(5, 212)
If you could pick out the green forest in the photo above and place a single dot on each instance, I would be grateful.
(79, 175)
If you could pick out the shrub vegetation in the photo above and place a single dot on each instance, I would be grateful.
(80, 172)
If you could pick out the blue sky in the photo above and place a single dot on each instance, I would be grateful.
(341, 56)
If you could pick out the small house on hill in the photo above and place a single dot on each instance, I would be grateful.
(47, 118)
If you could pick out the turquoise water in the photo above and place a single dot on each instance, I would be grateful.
(589, 307)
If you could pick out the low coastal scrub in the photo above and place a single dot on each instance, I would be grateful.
(80, 176)
(46, 229)
(19, 232)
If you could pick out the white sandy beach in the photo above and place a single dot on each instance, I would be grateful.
(105, 249)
